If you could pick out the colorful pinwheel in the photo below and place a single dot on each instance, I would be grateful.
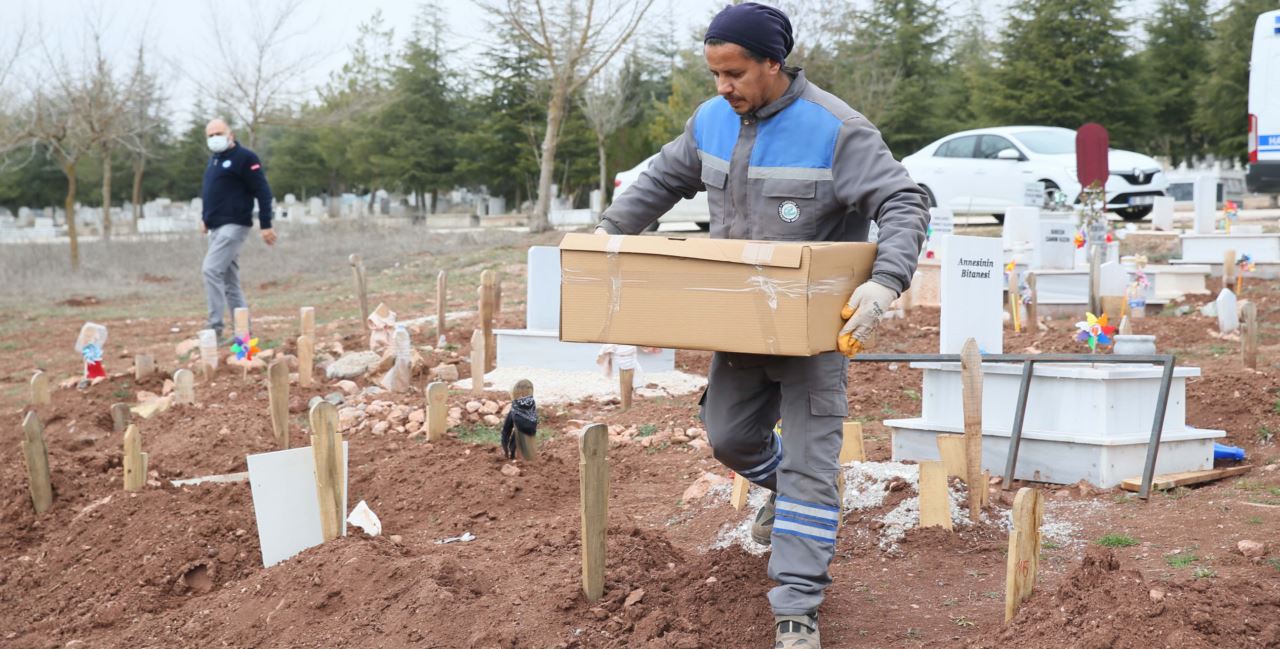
(1140, 280)
(1079, 239)
(1095, 331)
(1245, 264)
(245, 349)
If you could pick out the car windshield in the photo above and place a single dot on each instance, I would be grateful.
(1049, 141)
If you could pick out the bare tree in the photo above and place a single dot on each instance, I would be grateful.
(575, 39)
(256, 75)
(144, 118)
(56, 126)
(606, 105)
(103, 106)
(13, 133)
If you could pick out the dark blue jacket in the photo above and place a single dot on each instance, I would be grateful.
(232, 179)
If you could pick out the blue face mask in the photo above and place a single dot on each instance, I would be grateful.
(218, 143)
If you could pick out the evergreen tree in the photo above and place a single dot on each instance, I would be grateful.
(966, 84)
(1222, 106)
(1065, 63)
(1175, 65)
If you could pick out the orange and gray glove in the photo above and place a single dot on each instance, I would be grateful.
(862, 315)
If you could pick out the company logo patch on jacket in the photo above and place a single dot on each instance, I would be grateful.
(788, 211)
(255, 167)
(226, 164)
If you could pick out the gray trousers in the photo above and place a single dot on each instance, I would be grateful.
(221, 271)
(746, 395)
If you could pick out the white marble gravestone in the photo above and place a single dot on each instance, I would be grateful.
(1055, 247)
(1162, 213)
(1205, 200)
(1228, 316)
(943, 222)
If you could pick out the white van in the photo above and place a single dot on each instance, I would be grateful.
(1264, 106)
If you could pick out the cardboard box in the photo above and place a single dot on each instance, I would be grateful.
(762, 297)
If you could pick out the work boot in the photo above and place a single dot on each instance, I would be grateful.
(762, 528)
(796, 632)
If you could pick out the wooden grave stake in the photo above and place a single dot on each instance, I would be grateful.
(1033, 307)
(40, 389)
(119, 417)
(144, 365)
(442, 303)
(184, 388)
(487, 281)
(241, 319)
(851, 446)
(1015, 315)
(741, 489)
(1249, 334)
(278, 397)
(437, 411)
(1095, 279)
(135, 461)
(497, 296)
(357, 273)
(593, 471)
(935, 506)
(1024, 550)
(971, 381)
(307, 321)
(37, 457)
(951, 450)
(526, 445)
(477, 362)
(626, 386)
(306, 360)
(1229, 270)
(326, 446)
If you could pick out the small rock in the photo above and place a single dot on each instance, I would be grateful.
(489, 408)
(381, 428)
(455, 413)
(701, 486)
(474, 406)
(695, 433)
(634, 598)
(599, 614)
(1252, 549)
(335, 398)
(711, 580)
(699, 445)
(1156, 595)
(511, 470)
(396, 538)
(347, 386)
(444, 372)
(352, 365)
(419, 416)
(413, 427)
(492, 420)
(680, 439)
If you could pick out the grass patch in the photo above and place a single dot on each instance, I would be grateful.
(1265, 434)
(1050, 545)
(1274, 563)
(1253, 520)
(1117, 541)
(1181, 559)
(646, 430)
(962, 621)
(911, 394)
(1204, 572)
(480, 434)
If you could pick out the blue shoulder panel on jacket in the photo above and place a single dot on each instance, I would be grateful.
(802, 135)
(715, 128)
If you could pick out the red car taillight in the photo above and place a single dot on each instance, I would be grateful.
(1253, 138)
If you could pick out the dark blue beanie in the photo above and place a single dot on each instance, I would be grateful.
(763, 30)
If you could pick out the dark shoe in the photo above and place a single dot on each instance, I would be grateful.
(796, 632)
(762, 528)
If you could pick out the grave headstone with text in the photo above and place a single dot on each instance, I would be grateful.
(943, 223)
(1055, 248)
(972, 287)
(1205, 202)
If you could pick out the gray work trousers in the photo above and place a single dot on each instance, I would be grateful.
(222, 272)
(746, 395)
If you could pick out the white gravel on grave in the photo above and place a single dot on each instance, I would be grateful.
(561, 386)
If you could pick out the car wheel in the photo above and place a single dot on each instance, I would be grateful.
(1134, 213)
(704, 226)
(933, 202)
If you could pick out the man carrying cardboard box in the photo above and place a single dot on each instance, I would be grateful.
(782, 160)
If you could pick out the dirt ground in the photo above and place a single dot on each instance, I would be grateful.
(181, 566)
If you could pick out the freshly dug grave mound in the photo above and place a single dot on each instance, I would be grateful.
(1101, 606)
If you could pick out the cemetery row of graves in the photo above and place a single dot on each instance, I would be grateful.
(333, 481)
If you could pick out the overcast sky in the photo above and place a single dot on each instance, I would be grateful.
(178, 32)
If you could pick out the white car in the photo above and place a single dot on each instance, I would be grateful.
(687, 210)
(986, 171)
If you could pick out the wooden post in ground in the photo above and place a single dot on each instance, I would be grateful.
(37, 457)
(935, 503)
(1095, 279)
(1249, 334)
(626, 386)
(437, 411)
(184, 386)
(477, 362)
(1024, 550)
(40, 389)
(1229, 270)
(852, 448)
(1015, 310)
(357, 274)
(487, 280)
(278, 397)
(741, 489)
(119, 417)
(307, 321)
(306, 360)
(442, 303)
(971, 381)
(1033, 307)
(135, 461)
(593, 472)
(497, 296)
(144, 365)
(951, 450)
(326, 446)
(240, 318)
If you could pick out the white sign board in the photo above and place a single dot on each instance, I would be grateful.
(1020, 226)
(1205, 200)
(943, 223)
(1055, 248)
(972, 286)
(285, 503)
(1162, 213)
(1033, 195)
(542, 301)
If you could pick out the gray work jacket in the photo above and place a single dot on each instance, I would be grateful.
(803, 168)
